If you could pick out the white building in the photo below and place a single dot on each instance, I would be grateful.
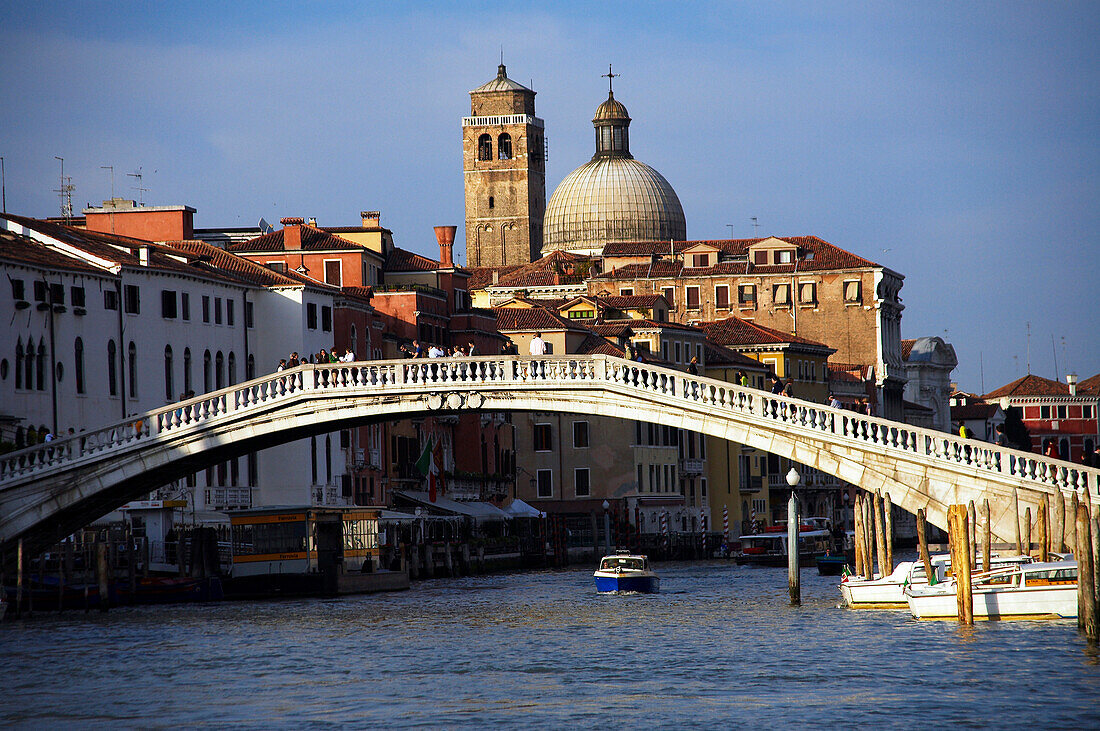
(102, 327)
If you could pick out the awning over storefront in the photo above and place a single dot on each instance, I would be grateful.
(650, 501)
(519, 509)
(481, 512)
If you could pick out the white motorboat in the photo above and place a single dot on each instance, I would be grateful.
(625, 572)
(1015, 591)
(889, 592)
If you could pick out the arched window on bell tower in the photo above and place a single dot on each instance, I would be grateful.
(485, 147)
(504, 146)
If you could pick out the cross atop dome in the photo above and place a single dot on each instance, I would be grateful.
(609, 76)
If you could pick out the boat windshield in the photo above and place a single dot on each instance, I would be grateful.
(631, 563)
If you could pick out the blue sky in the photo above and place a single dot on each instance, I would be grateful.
(956, 143)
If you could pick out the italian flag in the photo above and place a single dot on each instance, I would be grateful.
(430, 465)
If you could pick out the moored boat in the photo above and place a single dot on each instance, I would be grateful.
(1015, 591)
(626, 572)
(888, 592)
(770, 548)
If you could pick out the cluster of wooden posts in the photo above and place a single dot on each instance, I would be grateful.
(874, 532)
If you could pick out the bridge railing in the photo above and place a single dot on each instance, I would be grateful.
(662, 384)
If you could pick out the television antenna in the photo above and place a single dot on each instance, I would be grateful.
(112, 169)
(65, 192)
(138, 188)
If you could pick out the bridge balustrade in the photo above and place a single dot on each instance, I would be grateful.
(666, 386)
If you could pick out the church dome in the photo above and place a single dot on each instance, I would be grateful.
(613, 197)
(610, 109)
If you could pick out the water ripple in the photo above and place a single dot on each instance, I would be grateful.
(718, 647)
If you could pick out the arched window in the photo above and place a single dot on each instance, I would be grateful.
(485, 147)
(219, 371)
(78, 356)
(354, 340)
(19, 363)
(491, 203)
(504, 146)
(169, 390)
(186, 370)
(112, 368)
(250, 368)
(40, 365)
(232, 369)
(207, 373)
(132, 370)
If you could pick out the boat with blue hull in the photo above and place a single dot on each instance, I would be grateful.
(625, 572)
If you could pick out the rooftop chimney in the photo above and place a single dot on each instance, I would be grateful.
(1071, 381)
(371, 219)
(292, 233)
(313, 221)
(445, 235)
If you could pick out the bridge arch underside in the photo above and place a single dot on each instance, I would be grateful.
(44, 511)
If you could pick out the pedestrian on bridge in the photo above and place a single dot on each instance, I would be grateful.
(538, 345)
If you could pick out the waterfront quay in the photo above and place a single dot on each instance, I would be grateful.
(718, 647)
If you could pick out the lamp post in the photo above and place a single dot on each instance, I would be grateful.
(606, 527)
(793, 582)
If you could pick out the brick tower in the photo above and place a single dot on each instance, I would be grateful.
(504, 166)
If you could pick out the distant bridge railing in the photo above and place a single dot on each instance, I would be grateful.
(489, 373)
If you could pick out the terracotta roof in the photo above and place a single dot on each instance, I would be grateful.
(735, 331)
(313, 239)
(824, 256)
(482, 277)
(973, 411)
(1089, 386)
(614, 329)
(535, 318)
(662, 269)
(401, 260)
(906, 348)
(557, 267)
(593, 344)
(243, 269)
(25, 250)
(1030, 385)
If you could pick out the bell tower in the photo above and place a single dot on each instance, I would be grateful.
(504, 167)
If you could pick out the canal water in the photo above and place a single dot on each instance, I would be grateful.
(718, 647)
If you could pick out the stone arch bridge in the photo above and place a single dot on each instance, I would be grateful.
(50, 490)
